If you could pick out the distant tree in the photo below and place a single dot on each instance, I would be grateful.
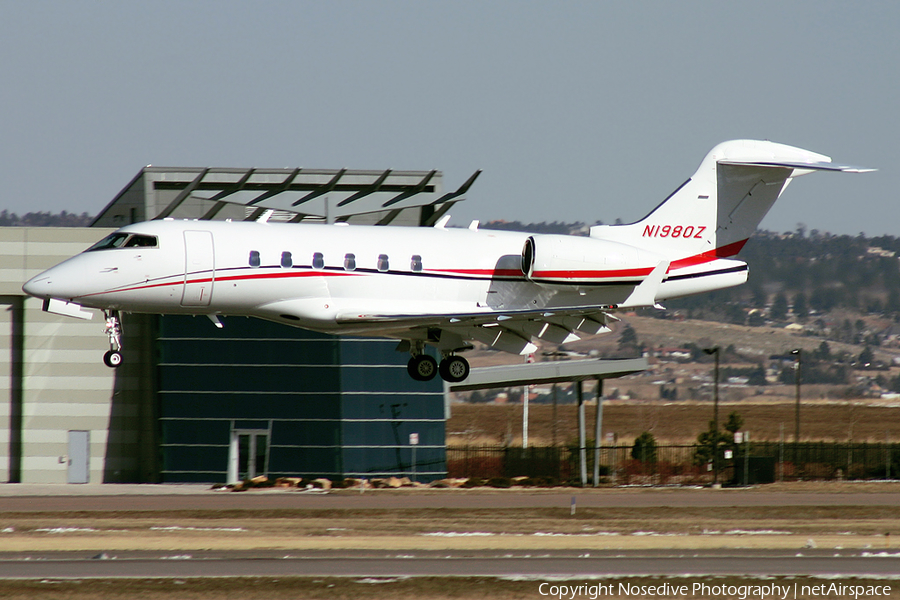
(709, 444)
(758, 376)
(824, 299)
(866, 357)
(801, 307)
(779, 309)
(823, 352)
(44, 219)
(628, 341)
(756, 319)
(644, 448)
(734, 313)
(757, 295)
(892, 305)
(733, 423)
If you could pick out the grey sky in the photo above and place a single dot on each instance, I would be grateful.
(575, 110)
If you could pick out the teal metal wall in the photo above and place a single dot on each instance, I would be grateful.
(334, 407)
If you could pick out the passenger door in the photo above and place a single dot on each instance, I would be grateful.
(199, 268)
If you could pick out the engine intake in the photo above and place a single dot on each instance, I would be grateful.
(568, 260)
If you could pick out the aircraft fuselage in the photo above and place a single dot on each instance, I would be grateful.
(334, 278)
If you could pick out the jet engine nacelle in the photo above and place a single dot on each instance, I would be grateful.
(566, 260)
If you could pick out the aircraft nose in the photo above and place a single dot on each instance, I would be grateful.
(39, 286)
(65, 281)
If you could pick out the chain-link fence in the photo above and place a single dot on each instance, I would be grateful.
(756, 462)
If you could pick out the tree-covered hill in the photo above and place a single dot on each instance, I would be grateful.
(793, 276)
(796, 276)
(44, 219)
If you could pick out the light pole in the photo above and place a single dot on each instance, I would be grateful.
(715, 351)
(798, 353)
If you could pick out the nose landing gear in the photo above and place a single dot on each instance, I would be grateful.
(113, 358)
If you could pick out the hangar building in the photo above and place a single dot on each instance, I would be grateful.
(194, 403)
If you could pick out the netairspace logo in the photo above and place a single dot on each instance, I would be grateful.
(772, 591)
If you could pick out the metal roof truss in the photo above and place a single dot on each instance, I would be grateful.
(308, 194)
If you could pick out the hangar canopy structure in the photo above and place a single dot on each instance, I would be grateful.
(413, 198)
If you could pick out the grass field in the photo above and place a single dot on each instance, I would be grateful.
(672, 422)
(827, 412)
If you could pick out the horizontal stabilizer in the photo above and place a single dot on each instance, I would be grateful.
(810, 166)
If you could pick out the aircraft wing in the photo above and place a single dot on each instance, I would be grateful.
(450, 325)
(509, 331)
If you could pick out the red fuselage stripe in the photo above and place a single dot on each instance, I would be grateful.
(642, 272)
(723, 252)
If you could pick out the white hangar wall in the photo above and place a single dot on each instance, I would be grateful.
(55, 389)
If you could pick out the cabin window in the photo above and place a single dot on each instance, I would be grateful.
(383, 264)
(318, 261)
(286, 260)
(416, 263)
(254, 258)
(349, 262)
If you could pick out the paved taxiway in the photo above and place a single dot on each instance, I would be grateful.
(541, 564)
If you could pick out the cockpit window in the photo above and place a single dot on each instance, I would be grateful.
(114, 240)
(141, 241)
(124, 240)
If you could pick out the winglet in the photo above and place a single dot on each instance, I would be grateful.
(645, 293)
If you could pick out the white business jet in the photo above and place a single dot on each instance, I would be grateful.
(436, 286)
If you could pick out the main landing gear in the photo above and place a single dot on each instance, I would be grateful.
(423, 367)
(113, 358)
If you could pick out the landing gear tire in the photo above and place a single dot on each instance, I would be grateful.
(112, 359)
(422, 367)
(454, 369)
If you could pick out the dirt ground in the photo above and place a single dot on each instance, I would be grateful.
(416, 588)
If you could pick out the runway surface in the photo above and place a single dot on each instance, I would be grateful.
(456, 499)
(541, 564)
(537, 563)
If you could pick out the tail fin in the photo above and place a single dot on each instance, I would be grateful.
(714, 212)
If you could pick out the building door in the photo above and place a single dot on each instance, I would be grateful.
(199, 268)
(249, 454)
(79, 467)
